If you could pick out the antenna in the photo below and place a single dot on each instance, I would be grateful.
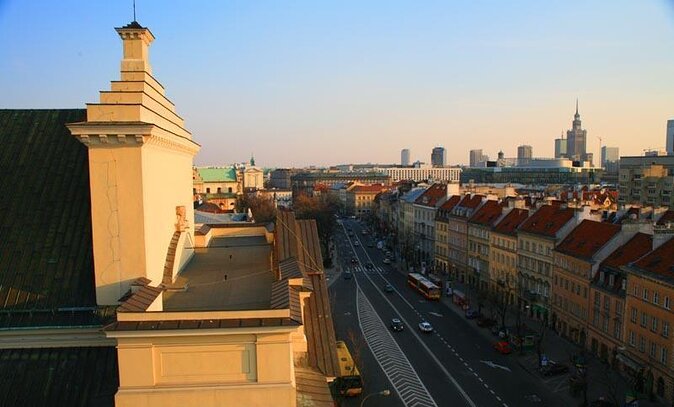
(134, 10)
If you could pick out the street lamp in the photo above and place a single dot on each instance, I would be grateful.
(384, 393)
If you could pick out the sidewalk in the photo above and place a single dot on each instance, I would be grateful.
(603, 381)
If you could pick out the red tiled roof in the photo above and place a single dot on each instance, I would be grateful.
(635, 248)
(660, 260)
(488, 214)
(471, 201)
(547, 220)
(666, 217)
(432, 195)
(587, 238)
(451, 202)
(511, 221)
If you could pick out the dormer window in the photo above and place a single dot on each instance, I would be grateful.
(611, 280)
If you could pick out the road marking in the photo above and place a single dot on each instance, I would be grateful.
(390, 357)
(435, 314)
(423, 344)
(494, 365)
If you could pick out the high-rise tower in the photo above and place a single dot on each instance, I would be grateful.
(576, 139)
(438, 158)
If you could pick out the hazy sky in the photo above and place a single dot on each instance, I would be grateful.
(317, 82)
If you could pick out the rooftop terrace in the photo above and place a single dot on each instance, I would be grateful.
(231, 274)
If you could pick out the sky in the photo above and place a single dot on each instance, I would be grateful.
(299, 83)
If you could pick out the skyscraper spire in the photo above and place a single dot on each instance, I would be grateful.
(576, 106)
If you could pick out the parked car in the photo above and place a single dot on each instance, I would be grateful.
(554, 369)
(500, 331)
(364, 232)
(472, 314)
(387, 261)
(425, 327)
(347, 275)
(396, 325)
(356, 243)
(388, 288)
(502, 347)
(354, 260)
(370, 244)
(369, 266)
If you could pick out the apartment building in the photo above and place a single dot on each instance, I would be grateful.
(646, 180)
(503, 253)
(649, 338)
(606, 323)
(442, 261)
(478, 236)
(575, 262)
(457, 234)
(360, 198)
(407, 240)
(425, 209)
(536, 239)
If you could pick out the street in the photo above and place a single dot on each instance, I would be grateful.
(453, 366)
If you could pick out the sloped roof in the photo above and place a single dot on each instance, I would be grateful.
(488, 214)
(659, 261)
(320, 329)
(508, 225)
(312, 388)
(451, 202)
(217, 174)
(367, 189)
(432, 196)
(636, 247)
(547, 220)
(46, 257)
(586, 239)
(412, 195)
(86, 376)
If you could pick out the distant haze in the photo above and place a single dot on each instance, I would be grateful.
(306, 82)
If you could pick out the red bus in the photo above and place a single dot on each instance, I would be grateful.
(435, 280)
(425, 287)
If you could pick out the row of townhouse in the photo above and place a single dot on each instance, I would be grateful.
(605, 282)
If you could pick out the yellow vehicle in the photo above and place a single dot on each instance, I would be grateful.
(348, 383)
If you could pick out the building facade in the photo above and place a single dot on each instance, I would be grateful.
(646, 180)
(524, 154)
(478, 236)
(438, 157)
(457, 234)
(442, 262)
(503, 252)
(649, 338)
(405, 157)
(575, 262)
(360, 198)
(423, 173)
(576, 140)
(425, 210)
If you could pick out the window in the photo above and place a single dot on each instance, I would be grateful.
(665, 329)
(607, 305)
(617, 330)
(654, 324)
(644, 319)
(656, 298)
(667, 302)
(653, 350)
(642, 344)
(663, 356)
(633, 317)
(604, 326)
(645, 294)
(633, 339)
(208, 190)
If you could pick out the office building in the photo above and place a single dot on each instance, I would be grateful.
(423, 173)
(670, 137)
(405, 157)
(610, 158)
(524, 154)
(438, 157)
(648, 180)
(477, 159)
(560, 147)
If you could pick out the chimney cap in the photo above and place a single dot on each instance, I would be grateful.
(134, 24)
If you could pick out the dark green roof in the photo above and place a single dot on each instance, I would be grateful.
(86, 376)
(46, 260)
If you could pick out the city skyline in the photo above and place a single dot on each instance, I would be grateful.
(250, 78)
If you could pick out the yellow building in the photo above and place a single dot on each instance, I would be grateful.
(360, 198)
(648, 332)
(575, 262)
(206, 315)
(503, 253)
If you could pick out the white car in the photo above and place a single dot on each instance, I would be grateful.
(425, 327)
(387, 261)
(356, 243)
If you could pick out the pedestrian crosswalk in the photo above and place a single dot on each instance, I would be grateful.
(363, 269)
(390, 357)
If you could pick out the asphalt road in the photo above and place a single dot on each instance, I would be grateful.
(455, 366)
